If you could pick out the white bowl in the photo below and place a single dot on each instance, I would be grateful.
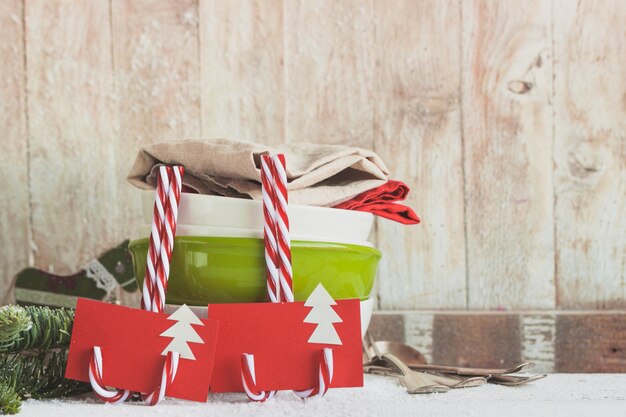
(211, 231)
(367, 306)
(317, 223)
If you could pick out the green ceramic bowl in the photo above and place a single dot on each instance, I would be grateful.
(232, 270)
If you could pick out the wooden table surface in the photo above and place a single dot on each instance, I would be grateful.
(558, 395)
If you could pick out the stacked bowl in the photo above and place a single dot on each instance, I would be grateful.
(218, 252)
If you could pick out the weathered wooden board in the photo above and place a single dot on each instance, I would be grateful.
(554, 340)
(590, 153)
(328, 72)
(14, 210)
(155, 58)
(242, 63)
(507, 134)
(593, 342)
(418, 132)
(456, 338)
(538, 340)
(156, 67)
(71, 131)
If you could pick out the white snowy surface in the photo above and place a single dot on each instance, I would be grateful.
(557, 395)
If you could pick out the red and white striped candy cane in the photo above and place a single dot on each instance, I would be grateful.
(325, 376)
(116, 396)
(268, 189)
(167, 377)
(167, 240)
(171, 180)
(171, 205)
(269, 229)
(282, 228)
(154, 249)
(113, 396)
(165, 216)
(248, 378)
(278, 259)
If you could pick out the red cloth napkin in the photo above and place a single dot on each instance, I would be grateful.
(382, 201)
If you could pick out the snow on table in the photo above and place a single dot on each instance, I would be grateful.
(558, 395)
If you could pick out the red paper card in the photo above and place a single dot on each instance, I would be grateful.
(278, 336)
(132, 347)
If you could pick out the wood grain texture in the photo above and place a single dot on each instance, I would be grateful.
(507, 130)
(538, 341)
(418, 330)
(477, 340)
(554, 340)
(418, 131)
(387, 327)
(590, 153)
(14, 210)
(155, 56)
(329, 70)
(507, 119)
(242, 70)
(70, 123)
(591, 342)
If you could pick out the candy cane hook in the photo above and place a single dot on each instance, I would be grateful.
(112, 396)
(325, 376)
(167, 378)
(248, 378)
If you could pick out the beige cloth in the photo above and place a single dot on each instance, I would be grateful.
(321, 175)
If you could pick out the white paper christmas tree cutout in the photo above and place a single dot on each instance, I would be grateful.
(322, 314)
(182, 332)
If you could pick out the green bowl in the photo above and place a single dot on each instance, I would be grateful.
(208, 270)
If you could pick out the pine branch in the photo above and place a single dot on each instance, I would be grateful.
(39, 375)
(33, 355)
(46, 328)
(13, 320)
(10, 402)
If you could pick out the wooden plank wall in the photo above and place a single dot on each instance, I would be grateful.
(590, 165)
(15, 220)
(507, 129)
(506, 118)
(417, 125)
